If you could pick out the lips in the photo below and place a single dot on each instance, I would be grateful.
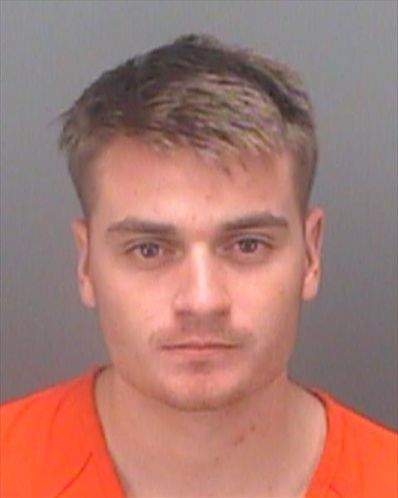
(200, 345)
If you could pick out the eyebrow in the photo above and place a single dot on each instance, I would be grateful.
(260, 219)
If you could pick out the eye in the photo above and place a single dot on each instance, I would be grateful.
(250, 249)
(249, 246)
(146, 250)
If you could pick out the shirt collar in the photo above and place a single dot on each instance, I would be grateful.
(72, 441)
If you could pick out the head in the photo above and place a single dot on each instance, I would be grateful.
(194, 165)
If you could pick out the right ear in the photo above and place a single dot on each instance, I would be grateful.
(80, 234)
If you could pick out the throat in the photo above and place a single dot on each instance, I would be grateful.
(260, 457)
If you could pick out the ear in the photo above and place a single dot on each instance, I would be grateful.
(80, 233)
(314, 230)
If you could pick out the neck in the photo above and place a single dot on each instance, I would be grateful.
(265, 437)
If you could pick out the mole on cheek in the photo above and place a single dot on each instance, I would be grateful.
(239, 439)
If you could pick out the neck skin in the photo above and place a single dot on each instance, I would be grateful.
(267, 445)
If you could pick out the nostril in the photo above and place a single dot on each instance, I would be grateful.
(201, 305)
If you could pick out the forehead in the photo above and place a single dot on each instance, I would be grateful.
(182, 187)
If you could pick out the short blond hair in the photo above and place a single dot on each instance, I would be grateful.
(195, 92)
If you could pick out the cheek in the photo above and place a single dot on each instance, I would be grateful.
(119, 298)
(269, 306)
(273, 291)
(272, 315)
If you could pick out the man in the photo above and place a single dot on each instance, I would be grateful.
(194, 166)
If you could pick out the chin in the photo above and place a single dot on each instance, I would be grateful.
(202, 395)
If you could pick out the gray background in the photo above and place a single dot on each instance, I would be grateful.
(347, 54)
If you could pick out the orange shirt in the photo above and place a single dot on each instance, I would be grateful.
(52, 446)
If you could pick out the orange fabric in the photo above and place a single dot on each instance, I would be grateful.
(52, 446)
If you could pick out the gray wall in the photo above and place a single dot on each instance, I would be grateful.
(347, 52)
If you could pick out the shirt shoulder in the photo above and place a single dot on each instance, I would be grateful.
(368, 456)
(31, 410)
(375, 448)
(30, 426)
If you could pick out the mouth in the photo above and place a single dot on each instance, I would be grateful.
(199, 345)
(199, 349)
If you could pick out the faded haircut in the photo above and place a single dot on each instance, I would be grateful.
(194, 92)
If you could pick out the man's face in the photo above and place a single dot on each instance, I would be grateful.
(231, 266)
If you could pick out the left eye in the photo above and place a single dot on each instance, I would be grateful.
(249, 246)
(249, 250)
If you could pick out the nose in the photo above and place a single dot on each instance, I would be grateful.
(201, 290)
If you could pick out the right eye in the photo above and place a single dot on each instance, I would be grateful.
(148, 250)
(150, 254)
